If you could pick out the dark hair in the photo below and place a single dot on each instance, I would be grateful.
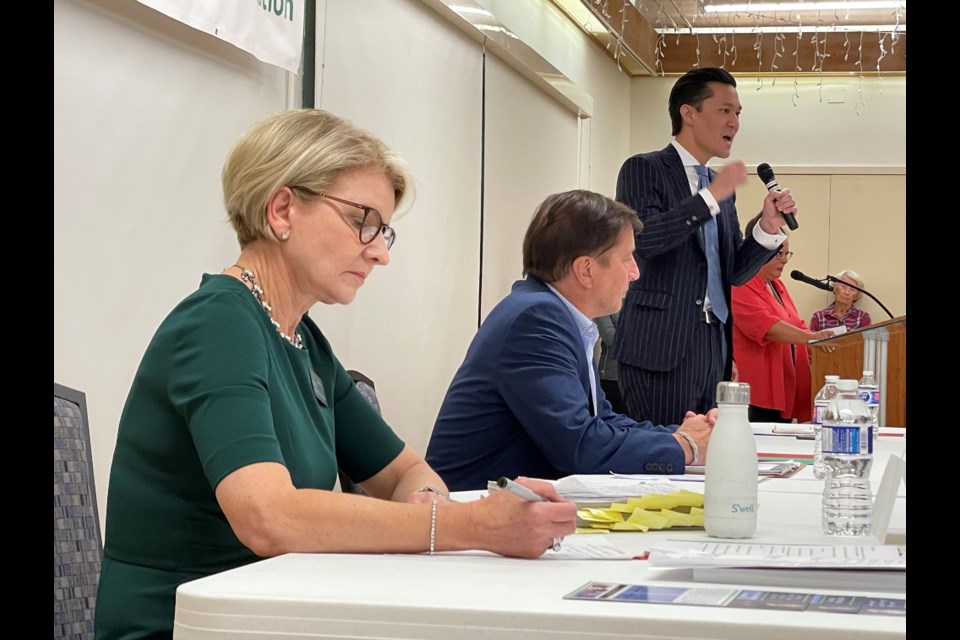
(692, 89)
(569, 225)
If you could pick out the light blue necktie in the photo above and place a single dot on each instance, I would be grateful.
(711, 247)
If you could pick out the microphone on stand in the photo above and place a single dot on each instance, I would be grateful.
(852, 286)
(819, 284)
(765, 173)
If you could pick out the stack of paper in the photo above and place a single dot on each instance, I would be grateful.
(781, 429)
(610, 488)
(838, 566)
(765, 469)
(599, 490)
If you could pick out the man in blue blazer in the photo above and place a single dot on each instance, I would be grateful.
(527, 400)
(674, 336)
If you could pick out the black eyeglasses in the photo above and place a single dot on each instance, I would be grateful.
(784, 255)
(369, 226)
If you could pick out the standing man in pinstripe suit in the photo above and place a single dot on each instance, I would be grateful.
(674, 335)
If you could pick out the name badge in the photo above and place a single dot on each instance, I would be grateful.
(318, 388)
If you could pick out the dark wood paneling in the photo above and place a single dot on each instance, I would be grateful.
(830, 52)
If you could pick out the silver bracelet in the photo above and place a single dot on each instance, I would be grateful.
(433, 527)
(693, 445)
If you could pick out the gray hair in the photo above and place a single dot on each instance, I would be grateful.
(853, 275)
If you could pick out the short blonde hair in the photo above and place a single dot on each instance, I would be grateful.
(853, 275)
(302, 147)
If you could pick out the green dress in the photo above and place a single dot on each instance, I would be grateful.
(218, 389)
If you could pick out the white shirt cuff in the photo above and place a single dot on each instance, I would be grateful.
(766, 240)
(710, 200)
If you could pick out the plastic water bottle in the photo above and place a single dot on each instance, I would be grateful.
(827, 393)
(869, 390)
(730, 472)
(847, 501)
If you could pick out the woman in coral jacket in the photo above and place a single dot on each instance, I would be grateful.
(770, 345)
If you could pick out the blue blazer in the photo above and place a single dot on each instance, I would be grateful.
(662, 307)
(520, 404)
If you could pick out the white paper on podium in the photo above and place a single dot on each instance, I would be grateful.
(614, 486)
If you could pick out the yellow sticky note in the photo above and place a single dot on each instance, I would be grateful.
(678, 519)
(589, 530)
(654, 501)
(688, 498)
(599, 515)
(644, 513)
(648, 519)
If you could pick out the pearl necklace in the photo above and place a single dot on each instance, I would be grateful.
(250, 278)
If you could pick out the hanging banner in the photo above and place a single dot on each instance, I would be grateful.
(271, 30)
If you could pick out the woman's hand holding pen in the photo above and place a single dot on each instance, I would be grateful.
(522, 528)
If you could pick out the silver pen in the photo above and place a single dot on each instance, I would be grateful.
(520, 490)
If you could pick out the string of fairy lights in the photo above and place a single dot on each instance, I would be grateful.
(725, 25)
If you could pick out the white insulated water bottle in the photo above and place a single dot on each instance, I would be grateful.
(730, 480)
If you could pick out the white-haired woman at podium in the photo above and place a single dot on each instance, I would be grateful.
(843, 311)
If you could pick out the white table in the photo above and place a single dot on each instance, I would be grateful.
(474, 596)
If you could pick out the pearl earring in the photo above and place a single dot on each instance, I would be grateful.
(284, 235)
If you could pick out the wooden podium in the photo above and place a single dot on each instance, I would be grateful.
(881, 347)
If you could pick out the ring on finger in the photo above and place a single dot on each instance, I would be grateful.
(556, 544)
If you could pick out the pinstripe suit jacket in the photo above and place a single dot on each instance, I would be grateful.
(663, 306)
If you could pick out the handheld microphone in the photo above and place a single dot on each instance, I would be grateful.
(765, 173)
(797, 275)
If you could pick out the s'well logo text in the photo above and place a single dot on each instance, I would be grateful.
(279, 7)
(736, 507)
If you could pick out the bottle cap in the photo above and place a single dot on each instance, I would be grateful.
(867, 372)
(847, 385)
(831, 378)
(733, 393)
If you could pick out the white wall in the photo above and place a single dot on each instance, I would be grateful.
(411, 77)
(813, 133)
(404, 72)
(531, 149)
(545, 28)
(145, 110)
